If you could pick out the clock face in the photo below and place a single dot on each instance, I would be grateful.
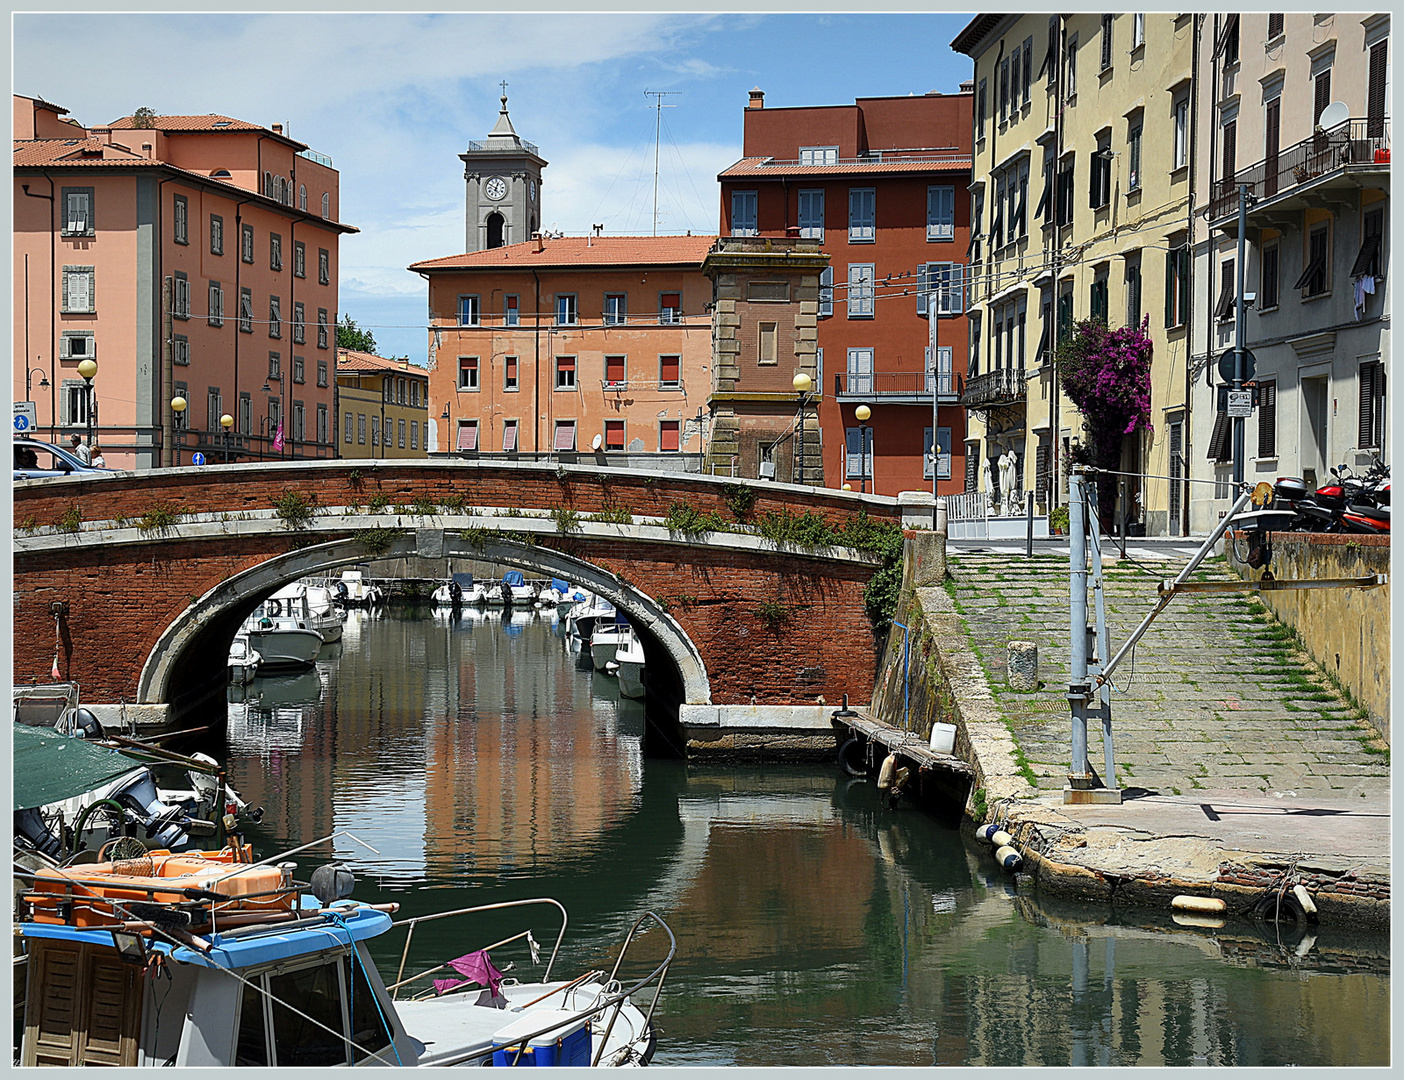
(495, 188)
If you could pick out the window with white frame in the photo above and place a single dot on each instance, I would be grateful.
(1070, 69)
(216, 235)
(818, 155)
(275, 317)
(401, 429)
(468, 373)
(180, 296)
(940, 213)
(275, 366)
(322, 427)
(940, 379)
(565, 373)
(564, 436)
(326, 204)
(1133, 152)
(811, 213)
(1180, 111)
(299, 322)
(275, 251)
(350, 427)
(860, 371)
(246, 311)
(321, 372)
(861, 285)
(862, 215)
(302, 197)
(375, 430)
(78, 211)
(511, 314)
(941, 285)
(321, 328)
(299, 369)
(180, 220)
(616, 309)
(567, 313)
(299, 259)
(510, 377)
(77, 345)
(1099, 173)
(361, 429)
(180, 350)
(744, 221)
(246, 243)
(323, 266)
(215, 302)
(1138, 30)
(75, 397)
(1108, 21)
(467, 311)
(79, 288)
(670, 307)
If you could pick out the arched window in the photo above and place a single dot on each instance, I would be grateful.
(495, 229)
(326, 204)
(302, 196)
(268, 185)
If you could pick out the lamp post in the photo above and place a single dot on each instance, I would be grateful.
(273, 376)
(801, 383)
(226, 421)
(862, 413)
(29, 378)
(88, 369)
(178, 406)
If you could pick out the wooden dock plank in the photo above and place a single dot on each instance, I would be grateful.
(906, 743)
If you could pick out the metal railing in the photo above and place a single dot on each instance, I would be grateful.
(904, 384)
(529, 147)
(1352, 142)
(994, 387)
(977, 505)
(319, 158)
(873, 157)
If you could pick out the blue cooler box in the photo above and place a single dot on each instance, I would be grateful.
(567, 1044)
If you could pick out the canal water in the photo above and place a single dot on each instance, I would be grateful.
(482, 761)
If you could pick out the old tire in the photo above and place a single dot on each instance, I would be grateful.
(853, 758)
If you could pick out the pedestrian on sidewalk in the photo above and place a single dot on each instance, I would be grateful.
(80, 449)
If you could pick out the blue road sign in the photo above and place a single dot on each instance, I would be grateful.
(197, 459)
(21, 422)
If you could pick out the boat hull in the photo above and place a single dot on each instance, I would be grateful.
(631, 678)
(285, 647)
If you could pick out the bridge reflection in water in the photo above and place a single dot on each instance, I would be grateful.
(814, 927)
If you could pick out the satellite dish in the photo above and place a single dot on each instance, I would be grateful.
(596, 442)
(1338, 112)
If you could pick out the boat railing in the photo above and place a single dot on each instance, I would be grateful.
(660, 972)
(412, 923)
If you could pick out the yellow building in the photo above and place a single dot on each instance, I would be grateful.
(382, 407)
(1081, 209)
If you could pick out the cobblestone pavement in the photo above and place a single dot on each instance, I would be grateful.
(1216, 695)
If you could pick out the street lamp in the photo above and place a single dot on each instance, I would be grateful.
(801, 383)
(862, 413)
(29, 378)
(273, 376)
(226, 421)
(178, 406)
(87, 369)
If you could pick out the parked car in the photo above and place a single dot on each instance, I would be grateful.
(35, 459)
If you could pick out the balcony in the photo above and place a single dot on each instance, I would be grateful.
(1003, 386)
(899, 387)
(1353, 154)
(530, 148)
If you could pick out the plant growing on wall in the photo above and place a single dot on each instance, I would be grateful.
(1106, 374)
(294, 508)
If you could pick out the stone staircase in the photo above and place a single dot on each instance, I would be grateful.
(1217, 695)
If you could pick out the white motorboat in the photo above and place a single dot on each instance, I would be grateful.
(234, 986)
(605, 639)
(552, 593)
(516, 591)
(475, 592)
(311, 607)
(630, 658)
(585, 615)
(280, 641)
(493, 594)
(356, 590)
(243, 661)
(447, 595)
(569, 602)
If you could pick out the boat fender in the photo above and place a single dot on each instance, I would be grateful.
(888, 772)
(999, 838)
(1304, 898)
(1008, 858)
(987, 832)
(1201, 905)
(851, 757)
(1189, 918)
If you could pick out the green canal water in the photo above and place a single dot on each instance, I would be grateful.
(484, 761)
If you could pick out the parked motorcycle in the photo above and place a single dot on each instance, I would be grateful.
(1348, 504)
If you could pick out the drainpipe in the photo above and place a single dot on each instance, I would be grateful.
(536, 383)
(53, 306)
(1056, 418)
(166, 382)
(238, 313)
(1185, 448)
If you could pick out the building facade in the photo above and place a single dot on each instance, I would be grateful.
(882, 186)
(190, 257)
(1082, 210)
(559, 346)
(382, 407)
(1294, 108)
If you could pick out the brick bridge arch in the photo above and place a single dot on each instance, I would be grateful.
(151, 573)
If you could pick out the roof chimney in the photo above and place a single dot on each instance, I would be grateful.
(540, 239)
(757, 98)
(967, 87)
(277, 129)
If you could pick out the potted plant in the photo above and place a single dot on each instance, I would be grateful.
(1058, 520)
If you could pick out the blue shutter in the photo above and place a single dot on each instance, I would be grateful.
(826, 291)
(923, 285)
(940, 213)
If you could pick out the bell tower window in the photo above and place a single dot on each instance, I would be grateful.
(496, 227)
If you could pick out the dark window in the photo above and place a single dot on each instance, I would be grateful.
(275, 251)
(1224, 309)
(1106, 41)
(247, 244)
(216, 235)
(1267, 282)
(1275, 25)
(1098, 300)
(1375, 98)
(1133, 291)
(299, 259)
(1177, 292)
(317, 994)
(180, 220)
(1372, 403)
(1313, 281)
(1226, 44)
(1099, 174)
(1065, 192)
(509, 373)
(565, 372)
(252, 1047)
(1368, 260)
(246, 311)
(1228, 161)
(1267, 420)
(1221, 438)
(1272, 138)
(467, 372)
(324, 266)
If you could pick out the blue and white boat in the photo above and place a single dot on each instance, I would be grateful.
(552, 593)
(605, 639)
(516, 591)
(224, 961)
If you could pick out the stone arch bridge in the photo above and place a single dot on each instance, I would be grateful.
(135, 583)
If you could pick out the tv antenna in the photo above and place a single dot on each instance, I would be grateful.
(657, 133)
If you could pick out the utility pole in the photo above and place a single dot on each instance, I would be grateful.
(657, 138)
(1240, 329)
(167, 376)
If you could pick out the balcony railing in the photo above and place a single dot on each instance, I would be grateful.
(999, 387)
(1352, 142)
(530, 147)
(935, 156)
(889, 385)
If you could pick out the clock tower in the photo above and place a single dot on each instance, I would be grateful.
(503, 176)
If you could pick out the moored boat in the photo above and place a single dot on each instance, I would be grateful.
(243, 660)
(605, 640)
(280, 642)
(516, 591)
(630, 658)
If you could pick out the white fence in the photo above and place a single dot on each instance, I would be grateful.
(969, 517)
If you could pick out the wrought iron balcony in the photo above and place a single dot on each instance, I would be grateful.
(1003, 386)
(898, 387)
(1351, 147)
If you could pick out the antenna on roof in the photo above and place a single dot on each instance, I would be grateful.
(657, 132)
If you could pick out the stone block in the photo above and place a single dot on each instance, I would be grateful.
(1023, 665)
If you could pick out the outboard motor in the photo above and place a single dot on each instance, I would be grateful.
(84, 725)
(140, 797)
(30, 827)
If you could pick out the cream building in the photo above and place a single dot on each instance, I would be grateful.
(1081, 208)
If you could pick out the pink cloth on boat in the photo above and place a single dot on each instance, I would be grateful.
(475, 968)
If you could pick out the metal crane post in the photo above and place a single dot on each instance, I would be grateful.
(1103, 643)
(1079, 688)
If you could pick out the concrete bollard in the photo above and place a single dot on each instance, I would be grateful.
(1023, 665)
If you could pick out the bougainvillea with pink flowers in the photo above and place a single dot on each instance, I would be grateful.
(1106, 374)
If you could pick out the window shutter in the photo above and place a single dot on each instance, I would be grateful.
(565, 435)
(1323, 95)
(1170, 288)
(1267, 420)
(826, 291)
(1219, 440)
(923, 286)
(1229, 164)
(1368, 377)
(1375, 101)
(509, 436)
(668, 435)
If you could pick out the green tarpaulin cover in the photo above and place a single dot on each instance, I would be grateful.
(49, 767)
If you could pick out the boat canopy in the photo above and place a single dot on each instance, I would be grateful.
(465, 581)
(513, 577)
(562, 587)
(49, 767)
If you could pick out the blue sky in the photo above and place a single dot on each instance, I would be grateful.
(395, 98)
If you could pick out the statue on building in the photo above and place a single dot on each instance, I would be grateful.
(1009, 482)
(987, 478)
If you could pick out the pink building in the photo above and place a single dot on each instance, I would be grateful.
(188, 256)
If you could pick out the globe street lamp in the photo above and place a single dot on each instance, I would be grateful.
(87, 369)
(862, 413)
(802, 384)
(178, 406)
(226, 421)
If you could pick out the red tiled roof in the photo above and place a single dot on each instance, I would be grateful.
(39, 152)
(755, 167)
(582, 251)
(354, 360)
(207, 122)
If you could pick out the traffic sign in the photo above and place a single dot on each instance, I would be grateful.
(1240, 403)
(1226, 365)
(197, 458)
(25, 416)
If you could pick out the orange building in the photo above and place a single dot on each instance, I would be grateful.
(883, 184)
(187, 256)
(544, 347)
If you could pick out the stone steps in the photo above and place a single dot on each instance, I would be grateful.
(1215, 696)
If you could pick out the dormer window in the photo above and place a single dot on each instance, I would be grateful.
(221, 174)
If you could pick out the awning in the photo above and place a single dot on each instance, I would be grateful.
(565, 435)
(49, 767)
(468, 436)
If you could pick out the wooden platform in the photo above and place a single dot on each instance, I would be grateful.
(904, 743)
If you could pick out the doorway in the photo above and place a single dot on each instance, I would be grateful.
(1315, 396)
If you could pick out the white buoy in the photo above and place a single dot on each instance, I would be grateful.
(1000, 838)
(1008, 858)
(1201, 905)
(888, 772)
(986, 832)
(1304, 898)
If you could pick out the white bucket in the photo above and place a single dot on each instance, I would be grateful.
(943, 738)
